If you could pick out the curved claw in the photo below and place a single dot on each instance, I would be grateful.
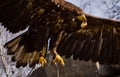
(42, 61)
(58, 58)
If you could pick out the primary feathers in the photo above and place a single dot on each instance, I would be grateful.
(82, 36)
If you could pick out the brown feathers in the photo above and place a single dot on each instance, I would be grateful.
(18, 53)
(27, 46)
(58, 19)
(13, 45)
(96, 44)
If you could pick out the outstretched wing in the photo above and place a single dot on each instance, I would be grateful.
(45, 19)
(48, 19)
(14, 14)
(98, 41)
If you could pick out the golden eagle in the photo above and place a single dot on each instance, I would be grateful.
(71, 32)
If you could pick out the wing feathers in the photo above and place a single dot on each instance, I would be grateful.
(96, 44)
(61, 45)
(34, 58)
(27, 46)
(79, 45)
(20, 60)
(105, 47)
(98, 41)
(71, 44)
(10, 15)
(19, 50)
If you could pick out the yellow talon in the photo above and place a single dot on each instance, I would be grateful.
(59, 59)
(42, 61)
